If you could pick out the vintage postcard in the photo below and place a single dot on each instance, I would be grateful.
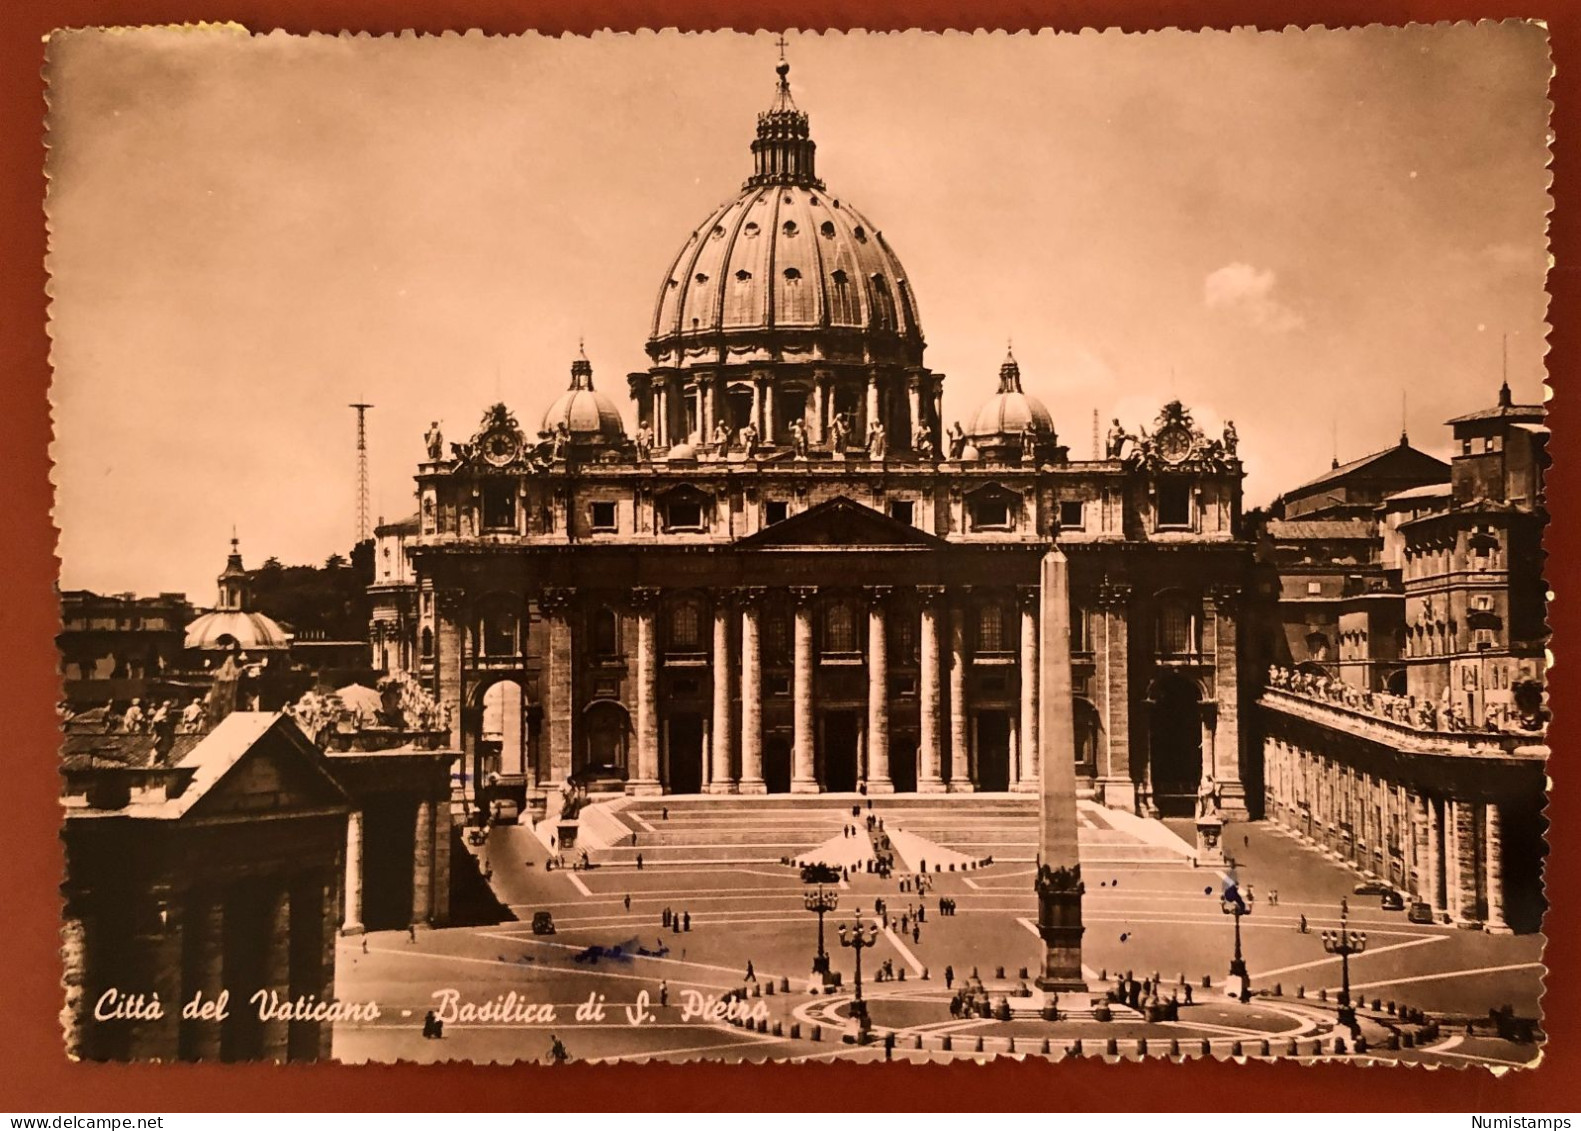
(801, 546)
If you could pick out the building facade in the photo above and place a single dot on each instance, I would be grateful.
(1416, 753)
(795, 575)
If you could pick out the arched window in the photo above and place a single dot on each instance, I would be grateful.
(842, 299)
(795, 302)
(1179, 626)
(1317, 647)
(686, 626)
(839, 628)
(428, 643)
(883, 303)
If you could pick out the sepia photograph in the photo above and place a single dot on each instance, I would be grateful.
(548, 576)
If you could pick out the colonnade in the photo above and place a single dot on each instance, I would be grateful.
(734, 753)
(1445, 850)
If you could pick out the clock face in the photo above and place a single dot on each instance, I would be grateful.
(1174, 444)
(499, 448)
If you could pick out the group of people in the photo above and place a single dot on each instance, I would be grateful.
(156, 718)
(675, 921)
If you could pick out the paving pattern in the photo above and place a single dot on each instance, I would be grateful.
(716, 865)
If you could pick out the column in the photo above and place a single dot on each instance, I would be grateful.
(872, 405)
(913, 405)
(938, 418)
(878, 780)
(1226, 689)
(930, 759)
(1113, 662)
(276, 1033)
(646, 781)
(1493, 847)
(961, 780)
(351, 924)
(423, 863)
(1465, 866)
(722, 772)
(751, 694)
(76, 1014)
(439, 913)
(769, 423)
(1435, 870)
(1030, 680)
(200, 1037)
(448, 607)
(757, 407)
(820, 407)
(559, 709)
(803, 778)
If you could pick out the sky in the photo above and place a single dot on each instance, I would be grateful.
(1318, 234)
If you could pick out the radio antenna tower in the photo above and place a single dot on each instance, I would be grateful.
(1097, 453)
(362, 471)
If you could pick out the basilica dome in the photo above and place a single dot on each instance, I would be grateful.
(588, 414)
(784, 268)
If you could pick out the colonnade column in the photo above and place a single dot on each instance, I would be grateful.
(721, 778)
(804, 777)
(961, 777)
(646, 780)
(878, 780)
(352, 922)
(200, 1038)
(930, 761)
(752, 781)
(423, 864)
(1465, 864)
(277, 973)
(157, 944)
(1493, 848)
(1434, 857)
(1030, 686)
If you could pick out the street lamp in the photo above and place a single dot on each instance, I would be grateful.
(859, 939)
(1345, 942)
(821, 903)
(1237, 907)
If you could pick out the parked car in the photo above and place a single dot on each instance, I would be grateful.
(1420, 913)
(1371, 887)
(542, 923)
(1393, 901)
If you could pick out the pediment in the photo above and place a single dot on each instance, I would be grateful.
(842, 522)
(277, 774)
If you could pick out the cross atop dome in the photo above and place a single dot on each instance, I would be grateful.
(1010, 373)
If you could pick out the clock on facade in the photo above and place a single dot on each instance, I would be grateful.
(500, 448)
(1174, 443)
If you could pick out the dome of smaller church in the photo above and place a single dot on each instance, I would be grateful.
(1006, 414)
(225, 629)
(585, 412)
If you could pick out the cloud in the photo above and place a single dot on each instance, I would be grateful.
(1248, 294)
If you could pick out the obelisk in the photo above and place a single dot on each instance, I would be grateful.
(1058, 882)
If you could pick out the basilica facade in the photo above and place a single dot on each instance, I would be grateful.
(794, 575)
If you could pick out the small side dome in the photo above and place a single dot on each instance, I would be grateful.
(589, 415)
(683, 453)
(1001, 425)
(970, 454)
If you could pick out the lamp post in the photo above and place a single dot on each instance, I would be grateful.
(820, 903)
(1345, 942)
(1237, 907)
(859, 939)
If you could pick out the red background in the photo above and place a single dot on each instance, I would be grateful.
(34, 1074)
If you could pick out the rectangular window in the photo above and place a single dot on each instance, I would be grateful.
(1071, 516)
(992, 513)
(1174, 504)
(1080, 629)
(990, 629)
(603, 516)
(901, 510)
(683, 514)
(499, 506)
(1314, 588)
(774, 511)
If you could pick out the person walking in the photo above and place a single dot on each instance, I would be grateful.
(639, 861)
(664, 993)
(916, 934)
(627, 901)
(686, 920)
(752, 975)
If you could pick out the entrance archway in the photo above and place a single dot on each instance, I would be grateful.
(1176, 745)
(501, 738)
(686, 753)
(993, 752)
(840, 733)
(606, 730)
